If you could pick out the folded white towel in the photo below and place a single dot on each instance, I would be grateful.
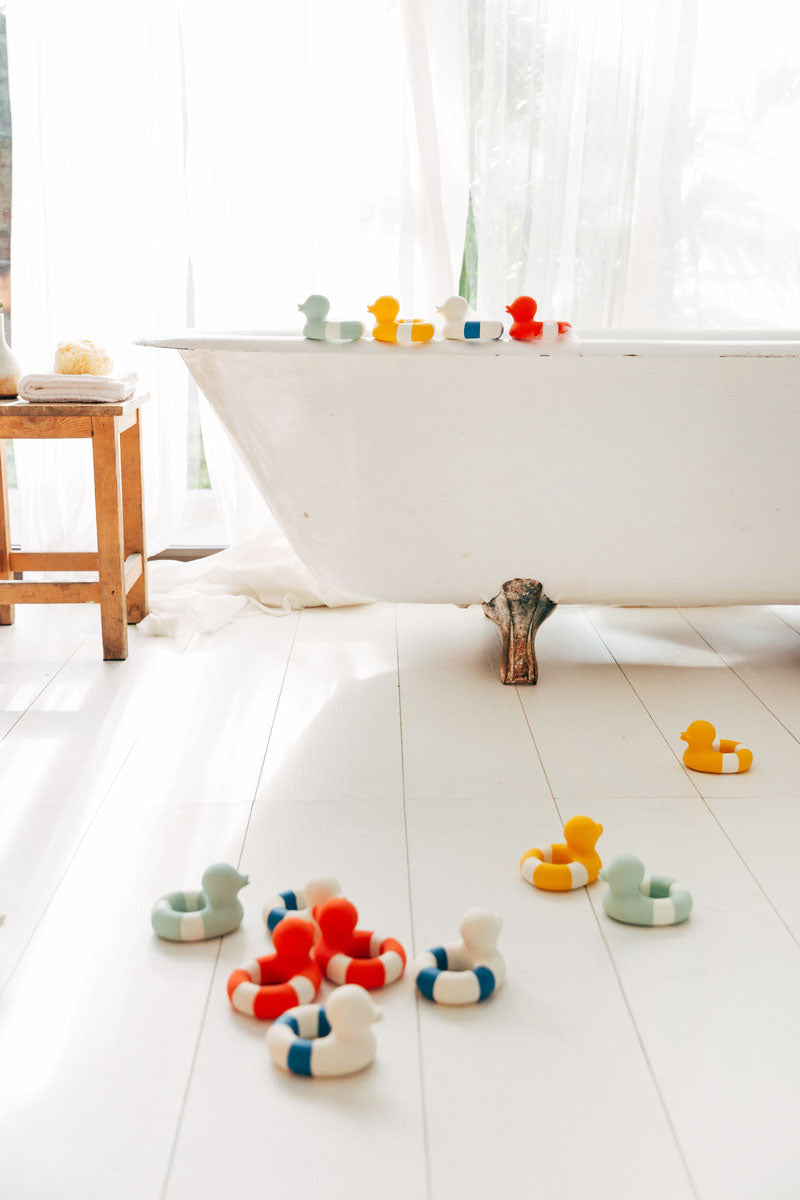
(78, 388)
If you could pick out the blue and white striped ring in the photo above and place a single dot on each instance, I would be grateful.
(301, 902)
(447, 975)
(305, 1041)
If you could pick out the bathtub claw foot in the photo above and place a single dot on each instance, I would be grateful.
(519, 609)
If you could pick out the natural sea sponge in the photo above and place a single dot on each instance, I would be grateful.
(85, 357)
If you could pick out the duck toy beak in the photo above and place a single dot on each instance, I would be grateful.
(684, 738)
(377, 1014)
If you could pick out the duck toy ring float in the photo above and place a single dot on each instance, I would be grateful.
(468, 972)
(197, 916)
(565, 865)
(458, 327)
(300, 903)
(267, 987)
(388, 328)
(718, 756)
(323, 1041)
(639, 899)
(315, 309)
(525, 329)
(349, 955)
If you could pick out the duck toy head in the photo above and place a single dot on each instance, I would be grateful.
(350, 1011)
(624, 874)
(523, 308)
(222, 883)
(385, 308)
(479, 931)
(454, 309)
(315, 307)
(582, 833)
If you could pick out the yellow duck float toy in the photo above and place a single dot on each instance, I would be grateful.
(706, 752)
(389, 329)
(565, 865)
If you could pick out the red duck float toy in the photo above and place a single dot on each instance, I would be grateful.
(349, 955)
(526, 329)
(275, 982)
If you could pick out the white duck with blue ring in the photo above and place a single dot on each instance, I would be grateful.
(467, 972)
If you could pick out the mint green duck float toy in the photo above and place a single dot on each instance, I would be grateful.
(639, 899)
(315, 309)
(197, 916)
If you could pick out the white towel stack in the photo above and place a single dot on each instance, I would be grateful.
(81, 389)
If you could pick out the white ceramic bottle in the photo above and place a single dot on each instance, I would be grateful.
(9, 367)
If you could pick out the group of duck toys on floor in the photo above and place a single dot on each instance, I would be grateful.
(459, 325)
(315, 935)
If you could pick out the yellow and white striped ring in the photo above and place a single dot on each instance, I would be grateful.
(538, 868)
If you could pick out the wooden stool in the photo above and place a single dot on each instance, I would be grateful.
(120, 560)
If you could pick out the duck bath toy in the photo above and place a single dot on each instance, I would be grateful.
(706, 752)
(458, 329)
(468, 972)
(324, 1041)
(316, 328)
(267, 987)
(300, 903)
(389, 329)
(196, 916)
(349, 955)
(639, 899)
(565, 865)
(526, 329)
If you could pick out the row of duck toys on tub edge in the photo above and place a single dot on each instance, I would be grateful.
(459, 326)
(315, 935)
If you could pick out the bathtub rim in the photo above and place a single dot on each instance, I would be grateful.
(766, 343)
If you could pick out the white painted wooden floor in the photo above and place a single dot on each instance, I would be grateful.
(377, 744)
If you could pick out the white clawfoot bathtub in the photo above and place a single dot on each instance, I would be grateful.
(641, 472)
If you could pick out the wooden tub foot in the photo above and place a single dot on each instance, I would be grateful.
(519, 609)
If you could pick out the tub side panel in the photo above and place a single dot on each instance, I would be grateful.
(629, 480)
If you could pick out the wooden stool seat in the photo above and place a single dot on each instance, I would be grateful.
(120, 559)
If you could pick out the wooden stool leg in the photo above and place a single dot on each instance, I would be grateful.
(6, 610)
(108, 503)
(133, 516)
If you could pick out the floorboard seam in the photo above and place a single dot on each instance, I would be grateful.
(213, 971)
(645, 1055)
(423, 1105)
(89, 825)
(47, 684)
(741, 679)
(704, 799)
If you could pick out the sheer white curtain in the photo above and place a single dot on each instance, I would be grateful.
(635, 163)
(181, 163)
(98, 236)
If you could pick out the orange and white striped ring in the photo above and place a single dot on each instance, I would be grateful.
(372, 961)
(350, 955)
(270, 985)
